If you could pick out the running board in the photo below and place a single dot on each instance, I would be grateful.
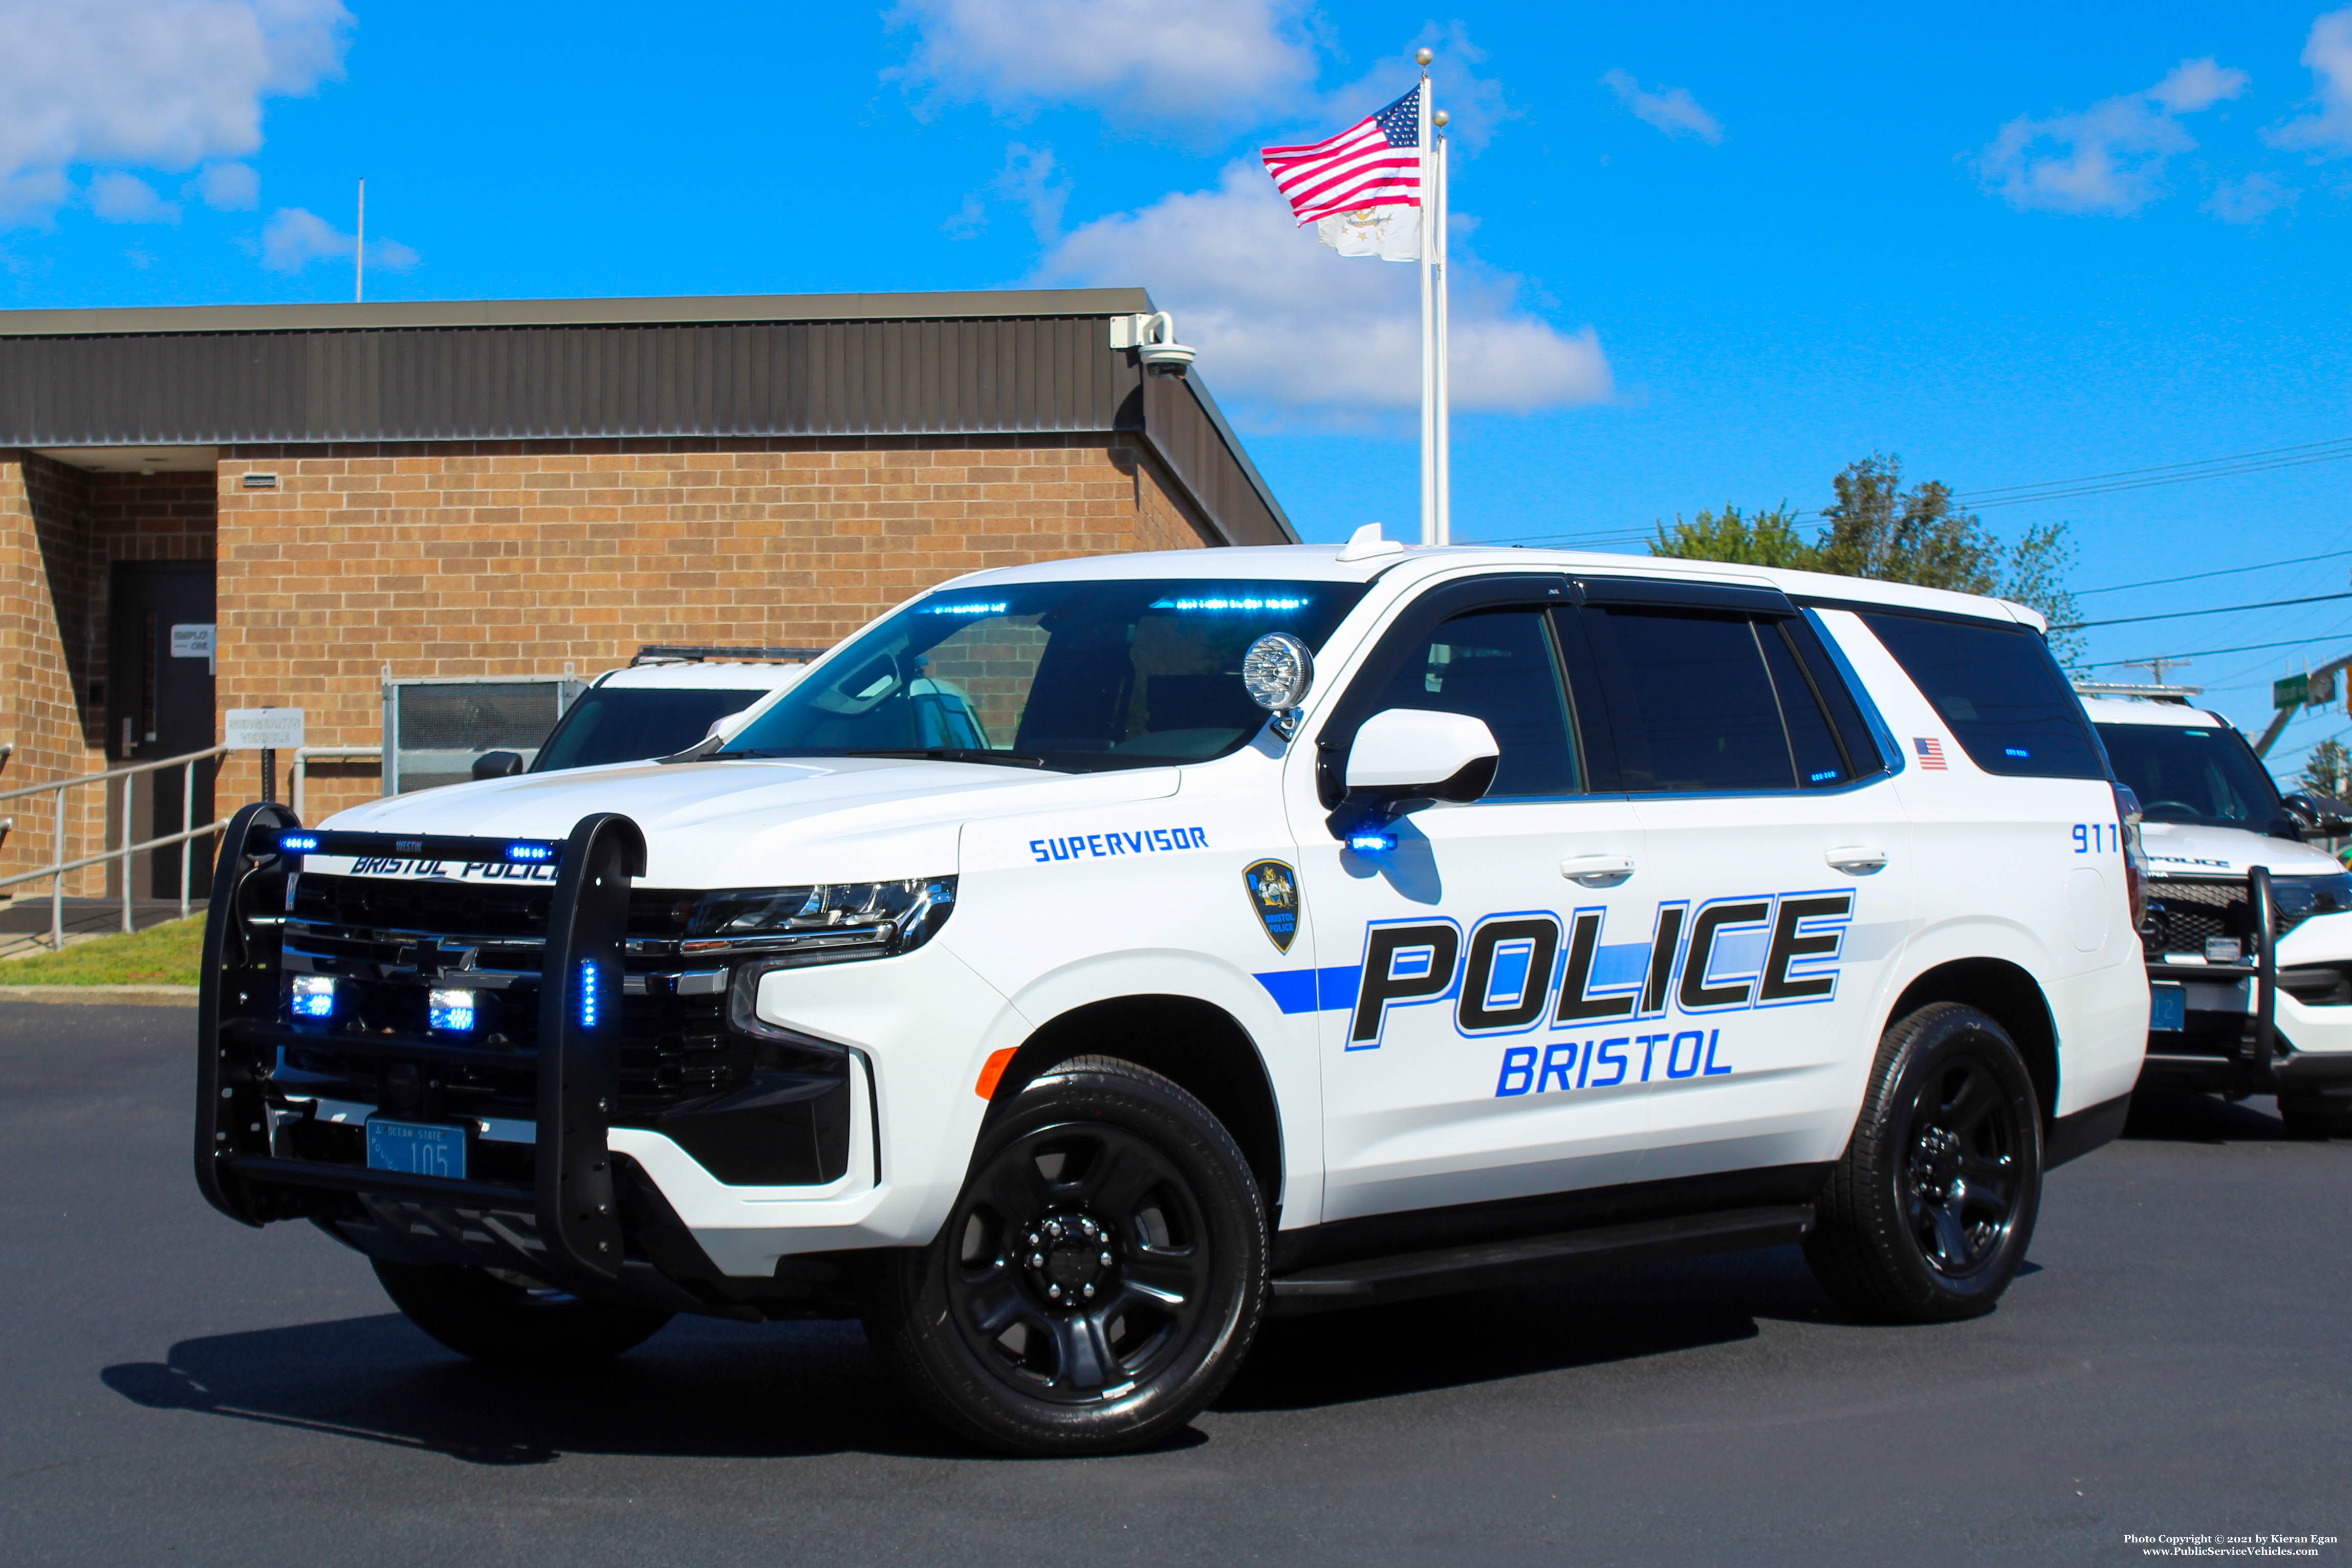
(1409, 1273)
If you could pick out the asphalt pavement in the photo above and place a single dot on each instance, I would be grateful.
(176, 1388)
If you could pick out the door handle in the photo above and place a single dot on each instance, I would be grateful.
(1597, 870)
(1859, 859)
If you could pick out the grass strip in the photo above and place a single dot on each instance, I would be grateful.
(160, 955)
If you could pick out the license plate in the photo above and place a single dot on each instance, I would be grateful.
(2167, 1008)
(416, 1148)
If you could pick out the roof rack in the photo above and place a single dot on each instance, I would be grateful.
(667, 653)
(2180, 694)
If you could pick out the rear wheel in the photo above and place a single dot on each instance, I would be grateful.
(1100, 1278)
(1927, 1216)
(504, 1320)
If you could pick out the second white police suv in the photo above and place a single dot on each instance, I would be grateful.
(1087, 959)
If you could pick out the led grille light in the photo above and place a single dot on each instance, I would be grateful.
(297, 843)
(314, 995)
(589, 1000)
(534, 852)
(450, 1009)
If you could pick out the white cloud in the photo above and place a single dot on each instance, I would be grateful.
(2250, 199)
(1671, 110)
(293, 238)
(147, 83)
(2111, 157)
(1282, 322)
(231, 187)
(1030, 180)
(1200, 61)
(2326, 129)
(126, 198)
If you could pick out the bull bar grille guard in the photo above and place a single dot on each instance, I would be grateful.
(2261, 934)
(573, 1195)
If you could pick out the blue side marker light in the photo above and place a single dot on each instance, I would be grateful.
(2015, 751)
(297, 843)
(314, 996)
(590, 1002)
(1371, 843)
(532, 852)
(450, 1009)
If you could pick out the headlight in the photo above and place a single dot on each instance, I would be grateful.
(2298, 897)
(843, 919)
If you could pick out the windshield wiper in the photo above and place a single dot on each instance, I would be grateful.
(959, 754)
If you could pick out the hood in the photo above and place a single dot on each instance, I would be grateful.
(2185, 849)
(767, 821)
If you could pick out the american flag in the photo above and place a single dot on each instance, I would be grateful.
(1375, 162)
(1930, 749)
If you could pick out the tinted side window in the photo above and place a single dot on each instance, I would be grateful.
(2000, 691)
(1846, 713)
(1821, 762)
(1498, 666)
(1690, 704)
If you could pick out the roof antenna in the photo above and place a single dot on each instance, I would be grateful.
(1367, 543)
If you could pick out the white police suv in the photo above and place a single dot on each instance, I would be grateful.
(1089, 958)
(2249, 929)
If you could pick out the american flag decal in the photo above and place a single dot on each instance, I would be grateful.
(1930, 749)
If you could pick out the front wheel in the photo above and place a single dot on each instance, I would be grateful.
(506, 1321)
(1100, 1278)
(1926, 1217)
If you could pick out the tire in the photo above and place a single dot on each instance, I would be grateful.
(1926, 1217)
(2316, 1117)
(1100, 1279)
(510, 1323)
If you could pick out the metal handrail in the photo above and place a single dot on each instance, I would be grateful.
(58, 865)
(301, 769)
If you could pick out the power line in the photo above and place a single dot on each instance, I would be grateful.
(2200, 576)
(2184, 614)
(2205, 652)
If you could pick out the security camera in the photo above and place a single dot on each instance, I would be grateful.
(1153, 339)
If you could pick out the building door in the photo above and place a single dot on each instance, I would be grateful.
(160, 699)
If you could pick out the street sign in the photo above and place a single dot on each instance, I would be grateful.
(2323, 688)
(263, 729)
(2290, 692)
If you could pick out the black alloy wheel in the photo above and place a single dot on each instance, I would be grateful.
(1100, 1278)
(1927, 1216)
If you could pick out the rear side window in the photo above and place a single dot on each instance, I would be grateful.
(1830, 681)
(1999, 691)
(1691, 705)
(1821, 762)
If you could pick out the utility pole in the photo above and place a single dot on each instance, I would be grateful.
(2156, 666)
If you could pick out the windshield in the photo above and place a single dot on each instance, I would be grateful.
(2209, 776)
(637, 724)
(1139, 673)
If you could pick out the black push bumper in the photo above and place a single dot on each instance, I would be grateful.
(2232, 1052)
(573, 1200)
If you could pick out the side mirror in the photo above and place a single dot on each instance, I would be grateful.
(1403, 754)
(497, 764)
(2317, 816)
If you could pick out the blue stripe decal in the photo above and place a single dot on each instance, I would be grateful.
(1312, 990)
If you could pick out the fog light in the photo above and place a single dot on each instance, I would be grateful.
(450, 1009)
(314, 995)
(2223, 950)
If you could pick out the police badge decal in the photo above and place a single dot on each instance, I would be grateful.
(1274, 894)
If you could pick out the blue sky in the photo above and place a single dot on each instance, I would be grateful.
(1706, 252)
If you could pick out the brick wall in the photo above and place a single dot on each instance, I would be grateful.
(509, 559)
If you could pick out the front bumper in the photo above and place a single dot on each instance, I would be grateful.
(571, 1180)
(2256, 1027)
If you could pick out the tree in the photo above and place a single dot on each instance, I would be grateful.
(1875, 528)
(2325, 770)
(1762, 539)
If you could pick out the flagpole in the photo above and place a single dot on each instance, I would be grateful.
(1429, 512)
(1444, 372)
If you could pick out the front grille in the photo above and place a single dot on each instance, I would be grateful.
(389, 943)
(2181, 913)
